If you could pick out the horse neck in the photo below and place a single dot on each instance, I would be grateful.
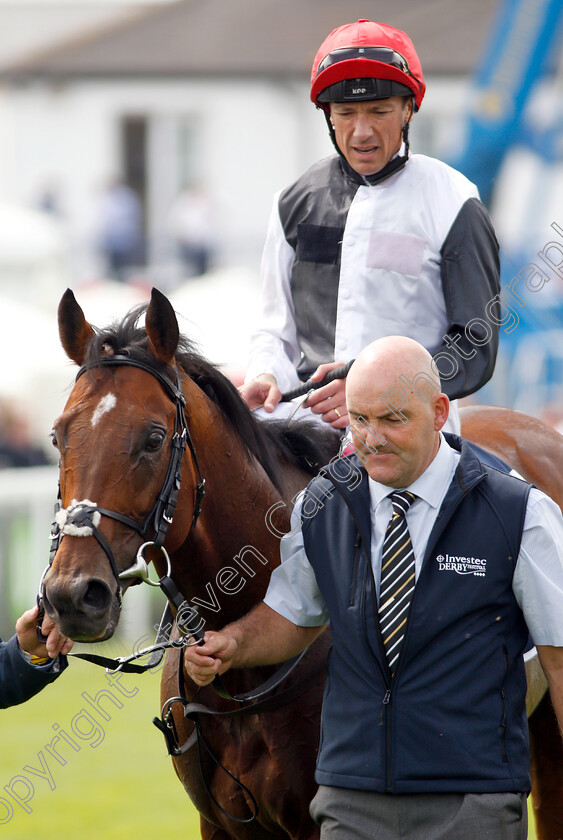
(225, 564)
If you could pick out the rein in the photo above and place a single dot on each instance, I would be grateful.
(194, 711)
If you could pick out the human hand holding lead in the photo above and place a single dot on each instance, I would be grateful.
(27, 636)
(214, 656)
(330, 400)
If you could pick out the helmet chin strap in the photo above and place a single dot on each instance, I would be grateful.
(394, 165)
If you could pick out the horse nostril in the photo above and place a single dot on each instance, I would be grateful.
(97, 595)
(88, 596)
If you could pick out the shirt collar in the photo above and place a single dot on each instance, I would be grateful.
(431, 485)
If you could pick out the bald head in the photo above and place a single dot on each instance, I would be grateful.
(390, 361)
(396, 407)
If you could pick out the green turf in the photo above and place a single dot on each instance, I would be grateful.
(120, 784)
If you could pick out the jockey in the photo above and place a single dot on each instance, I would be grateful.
(373, 241)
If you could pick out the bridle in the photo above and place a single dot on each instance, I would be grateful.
(86, 515)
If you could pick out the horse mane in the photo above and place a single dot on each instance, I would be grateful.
(303, 443)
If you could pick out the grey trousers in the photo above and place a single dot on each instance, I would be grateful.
(363, 815)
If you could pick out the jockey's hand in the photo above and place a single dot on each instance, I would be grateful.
(330, 400)
(261, 391)
(214, 656)
(27, 636)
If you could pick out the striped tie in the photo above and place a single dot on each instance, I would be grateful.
(397, 577)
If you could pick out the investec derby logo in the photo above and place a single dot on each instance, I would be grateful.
(462, 565)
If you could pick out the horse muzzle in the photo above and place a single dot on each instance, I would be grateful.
(85, 608)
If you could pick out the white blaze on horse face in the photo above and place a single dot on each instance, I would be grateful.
(106, 404)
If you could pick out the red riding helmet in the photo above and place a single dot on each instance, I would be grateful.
(366, 60)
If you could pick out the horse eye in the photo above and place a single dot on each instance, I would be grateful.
(155, 441)
(54, 440)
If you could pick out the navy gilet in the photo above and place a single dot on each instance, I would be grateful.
(453, 718)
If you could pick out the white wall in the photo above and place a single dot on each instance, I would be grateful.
(255, 138)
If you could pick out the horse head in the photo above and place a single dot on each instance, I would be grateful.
(146, 417)
(115, 438)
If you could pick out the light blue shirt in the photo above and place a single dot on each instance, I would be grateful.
(538, 575)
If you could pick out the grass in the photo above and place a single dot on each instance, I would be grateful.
(118, 784)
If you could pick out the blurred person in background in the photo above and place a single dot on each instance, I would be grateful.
(28, 665)
(48, 199)
(193, 225)
(17, 449)
(373, 241)
(120, 233)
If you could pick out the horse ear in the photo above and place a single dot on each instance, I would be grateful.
(74, 330)
(162, 327)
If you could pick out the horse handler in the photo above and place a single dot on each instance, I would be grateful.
(28, 665)
(432, 569)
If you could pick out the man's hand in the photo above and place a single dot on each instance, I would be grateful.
(261, 637)
(330, 400)
(261, 391)
(27, 637)
(215, 656)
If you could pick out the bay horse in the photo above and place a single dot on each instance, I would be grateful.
(146, 406)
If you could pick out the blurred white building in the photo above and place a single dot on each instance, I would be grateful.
(209, 92)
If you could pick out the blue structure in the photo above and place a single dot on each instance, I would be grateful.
(523, 47)
(520, 51)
